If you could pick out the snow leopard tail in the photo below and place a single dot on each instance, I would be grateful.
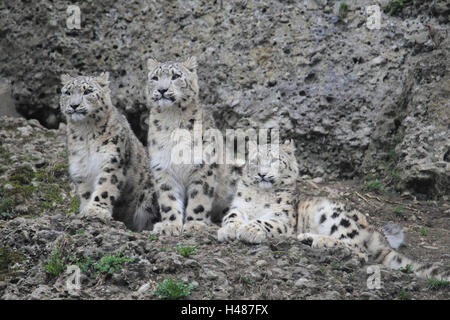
(146, 213)
(332, 219)
(380, 251)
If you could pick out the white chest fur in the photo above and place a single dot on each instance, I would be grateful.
(169, 141)
(164, 159)
(85, 162)
(252, 203)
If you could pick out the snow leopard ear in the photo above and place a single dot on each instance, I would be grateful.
(152, 64)
(65, 79)
(191, 64)
(103, 79)
(289, 145)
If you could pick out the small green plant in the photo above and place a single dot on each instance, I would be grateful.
(374, 185)
(406, 269)
(403, 295)
(56, 263)
(84, 263)
(423, 231)
(22, 175)
(53, 193)
(437, 284)
(50, 133)
(17, 189)
(185, 251)
(334, 265)
(152, 237)
(52, 196)
(62, 154)
(247, 280)
(277, 253)
(5, 214)
(343, 10)
(15, 193)
(392, 155)
(394, 7)
(398, 209)
(53, 173)
(110, 263)
(172, 289)
(74, 205)
(60, 169)
(395, 175)
(6, 204)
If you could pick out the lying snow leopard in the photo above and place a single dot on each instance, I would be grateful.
(189, 193)
(326, 223)
(264, 202)
(107, 162)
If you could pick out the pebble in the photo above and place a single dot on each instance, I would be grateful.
(302, 282)
(145, 287)
(8, 186)
(261, 263)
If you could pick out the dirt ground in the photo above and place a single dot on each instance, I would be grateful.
(41, 236)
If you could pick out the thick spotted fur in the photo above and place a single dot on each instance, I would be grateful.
(190, 194)
(107, 163)
(264, 202)
(324, 223)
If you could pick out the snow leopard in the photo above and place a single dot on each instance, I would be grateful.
(191, 194)
(264, 202)
(107, 163)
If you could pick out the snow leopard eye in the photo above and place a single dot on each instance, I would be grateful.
(155, 78)
(67, 93)
(175, 76)
(87, 91)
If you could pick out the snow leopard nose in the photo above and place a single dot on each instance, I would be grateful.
(261, 175)
(74, 106)
(162, 91)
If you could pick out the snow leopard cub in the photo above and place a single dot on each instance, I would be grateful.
(264, 203)
(107, 162)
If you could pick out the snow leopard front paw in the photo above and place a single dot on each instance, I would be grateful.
(227, 232)
(95, 212)
(191, 226)
(318, 241)
(306, 238)
(251, 232)
(167, 228)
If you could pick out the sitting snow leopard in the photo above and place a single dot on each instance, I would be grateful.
(107, 163)
(189, 194)
(264, 202)
(324, 223)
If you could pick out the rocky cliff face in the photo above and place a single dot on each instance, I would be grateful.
(372, 103)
